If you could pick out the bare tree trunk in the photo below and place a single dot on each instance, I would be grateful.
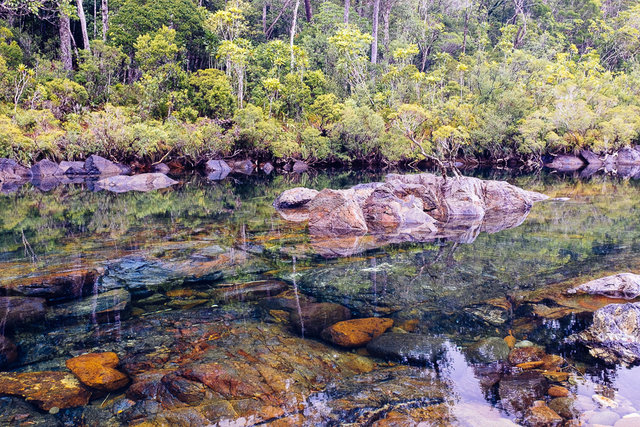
(293, 30)
(83, 25)
(347, 4)
(105, 19)
(307, 10)
(466, 31)
(374, 43)
(64, 28)
(386, 17)
(264, 18)
(95, 22)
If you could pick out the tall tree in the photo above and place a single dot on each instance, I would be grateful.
(83, 25)
(374, 32)
(307, 10)
(64, 28)
(105, 19)
(347, 5)
(293, 29)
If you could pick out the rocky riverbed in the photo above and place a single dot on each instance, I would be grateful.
(220, 312)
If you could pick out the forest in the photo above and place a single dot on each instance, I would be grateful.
(325, 81)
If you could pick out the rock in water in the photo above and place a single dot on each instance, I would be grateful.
(142, 182)
(45, 389)
(19, 311)
(250, 291)
(97, 165)
(97, 370)
(8, 352)
(104, 308)
(356, 332)
(488, 350)
(313, 318)
(628, 156)
(10, 170)
(335, 213)
(72, 168)
(410, 348)
(623, 285)
(518, 392)
(45, 168)
(614, 335)
(217, 169)
(566, 163)
(542, 416)
(295, 198)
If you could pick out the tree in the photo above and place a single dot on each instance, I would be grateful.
(83, 25)
(374, 32)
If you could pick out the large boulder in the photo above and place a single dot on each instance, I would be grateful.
(73, 168)
(142, 182)
(386, 212)
(614, 335)
(591, 158)
(411, 207)
(295, 198)
(46, 168)
(97, 165)
(623, 285)
(217, 169)
(336, 213)
(566, 163)
(10, 170)
(628, 156)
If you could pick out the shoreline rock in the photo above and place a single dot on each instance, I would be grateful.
(623, 285)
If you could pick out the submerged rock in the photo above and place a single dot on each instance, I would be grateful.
(103, 308)
(542, 416)
(623, 285)
(8, 352)
(56, 285)
(521, 355)
(45, 389)
(249, 291)
(518, 392)
(143, 182)
(614, 335)
(488, 350)
(313, 318)
(356, 332)
(97, 370)
(410, 348)
(20, 311)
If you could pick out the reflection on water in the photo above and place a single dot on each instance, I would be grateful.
(149, 276)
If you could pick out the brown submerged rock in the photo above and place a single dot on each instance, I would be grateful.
(542, 416)
(518, 392)
(356, 332)
(557, 391)
(45, 389)
(18, 311)
(8, 352)
(250, 291)
(312, 319)
(97, 370)
(526, 354)
(55, 285)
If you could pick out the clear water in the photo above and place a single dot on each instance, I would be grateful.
(186, 243)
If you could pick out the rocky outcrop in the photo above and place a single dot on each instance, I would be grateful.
(45, 168)
(566, 163)
(97, 165)
(623, 285)
(97, 370)
(410, 207)
(217, 169)
(10, 170)
(628, 156)
(295, 198)
(614, 335)
(143, 182)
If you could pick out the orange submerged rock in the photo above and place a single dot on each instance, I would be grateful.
(558, 391)
(356, 332)
(97, 370)
(45, 389)
(530, 365)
